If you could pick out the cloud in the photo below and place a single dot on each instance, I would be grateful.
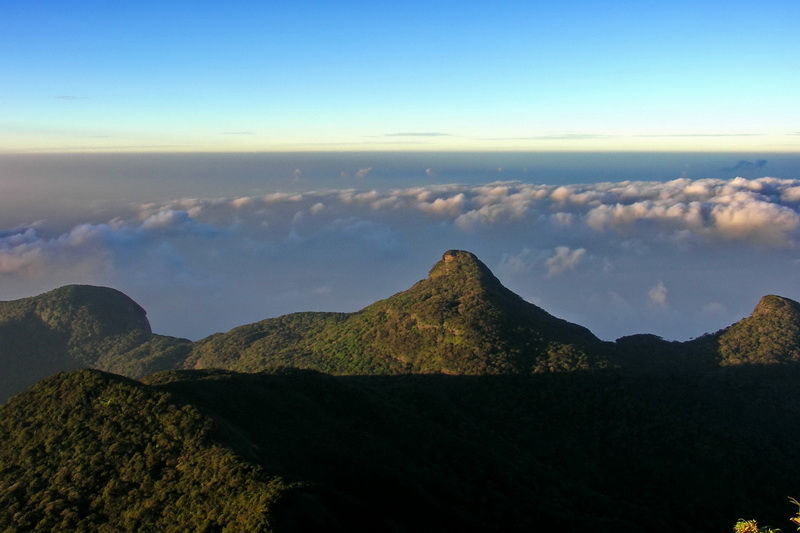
(322, 291)
(430, 172)
(166, 218)
(702, 135)
(563, 260)
(362, 173)
(452, 206)
(418, 134)
(714, 308)
(657, 295)
(519, 263)
(554, 137)
(235, 260)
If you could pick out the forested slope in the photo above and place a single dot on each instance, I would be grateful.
(297, 450)
(79, 326)
(460, 320)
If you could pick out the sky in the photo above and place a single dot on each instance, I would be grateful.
(700, 75)
(629, 166)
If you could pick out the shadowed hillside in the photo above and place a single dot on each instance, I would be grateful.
(79, 326)
(297, 450)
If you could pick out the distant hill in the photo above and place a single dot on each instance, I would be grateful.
(460, 320)
(770, 335)
(294, 451)
(79, 326)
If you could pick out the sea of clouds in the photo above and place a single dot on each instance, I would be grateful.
(675, 258)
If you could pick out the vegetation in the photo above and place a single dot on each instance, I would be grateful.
(79, 326)
(89, 451)
(751, 526)
(770, 335)
(452, 405)
(292, 450)
(460, 320)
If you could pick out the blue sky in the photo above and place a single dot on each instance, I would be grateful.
(268, 76)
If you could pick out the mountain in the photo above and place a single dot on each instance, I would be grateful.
(296, 450)
(460, 320)
(771, 334)
(79, 326)
(454, 405)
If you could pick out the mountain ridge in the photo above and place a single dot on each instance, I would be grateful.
(460, 319)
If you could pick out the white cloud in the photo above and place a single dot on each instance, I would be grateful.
(519, 263)
(362, 172)
(322, 291)
(166, 218)
(714, 308)
(564, 259)
(452, 206)
(245, 201)
(657, 295)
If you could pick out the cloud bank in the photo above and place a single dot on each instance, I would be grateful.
(601, 254)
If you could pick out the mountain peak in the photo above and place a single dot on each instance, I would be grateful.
(460, 320)
(770, 335)
(462, 264)
(776, 304)
(111, 311)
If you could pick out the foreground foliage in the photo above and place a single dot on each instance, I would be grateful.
(751, 526)
(296, 450)
(93, 452)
